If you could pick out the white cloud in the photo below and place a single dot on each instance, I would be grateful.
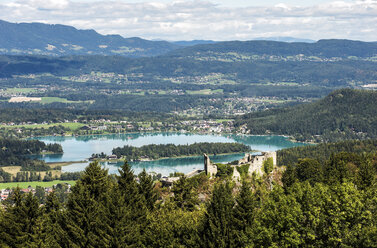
(197, 19)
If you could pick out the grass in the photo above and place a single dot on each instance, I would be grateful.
(222, 120)
(13, 170)
(54, 99)
(19, 90)
(71, 125)
(24, 185)
(204, 92)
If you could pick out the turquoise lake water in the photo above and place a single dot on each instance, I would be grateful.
(82, 147)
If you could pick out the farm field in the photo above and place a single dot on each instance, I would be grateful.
(33, 184)
(13, 170)
(70, 125)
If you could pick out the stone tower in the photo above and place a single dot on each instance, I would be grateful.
(209, 168)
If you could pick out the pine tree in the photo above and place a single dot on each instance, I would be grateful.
(184, 196)
(21, 219)
(146, 189)
(119, 219)
(218, 228)
(135, 203)
(54, 234)
(86, 219)
(243, 215)
(127, 183)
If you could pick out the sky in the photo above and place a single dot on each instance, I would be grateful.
(205, 19)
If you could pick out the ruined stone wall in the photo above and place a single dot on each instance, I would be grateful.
(255, 163)
(209, 168)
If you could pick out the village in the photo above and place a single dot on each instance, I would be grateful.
(106, 126)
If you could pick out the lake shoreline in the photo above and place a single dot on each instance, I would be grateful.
(78, 149)
(178, 157)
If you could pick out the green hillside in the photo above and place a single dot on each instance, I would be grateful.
(342, 114)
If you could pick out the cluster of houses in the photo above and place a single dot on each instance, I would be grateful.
(5, 193)
(210, 126)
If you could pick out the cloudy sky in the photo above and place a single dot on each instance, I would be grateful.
(205, 19)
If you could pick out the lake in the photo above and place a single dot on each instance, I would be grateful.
(82, 147)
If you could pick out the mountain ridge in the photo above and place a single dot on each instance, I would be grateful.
(323, 48)
(59, 40)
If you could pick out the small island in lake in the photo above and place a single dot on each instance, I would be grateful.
(153, 152)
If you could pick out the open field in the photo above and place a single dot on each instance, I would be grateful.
(222, 120)
(19, 90)
(25, 99)
(24, 185)
(204, 92)
(13, 170)
(70, 125)
(55, 99)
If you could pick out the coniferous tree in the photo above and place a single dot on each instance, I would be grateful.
(127, 184)
(119, 219)
(21, 221)
(184, 196)
(243, 215)
(54, 234)
(135, 204)
(146, 189)
(366, 174)
(86, 225)
(218, 228)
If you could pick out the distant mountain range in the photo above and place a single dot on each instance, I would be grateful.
(322, 48)
(286, 39)
(57, 40)
(193, 42)
(62, 40)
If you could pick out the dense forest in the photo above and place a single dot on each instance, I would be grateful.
(329, 204)
(323, 151)
(343, 114)
(14, 152)
(170, 150)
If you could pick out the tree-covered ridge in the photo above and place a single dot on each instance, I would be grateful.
(323, 151)
(315, 208)
(322, 48)
(58, 40)
(14, 152)
(154, 151)
(344, 113)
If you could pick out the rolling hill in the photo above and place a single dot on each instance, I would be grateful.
(343, 114)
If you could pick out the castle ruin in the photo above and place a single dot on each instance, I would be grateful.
(209, 167)
(255, 163)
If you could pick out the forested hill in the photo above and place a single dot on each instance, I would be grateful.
(154, 151)
(342, 114)
(57, 40)
(321, 48)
